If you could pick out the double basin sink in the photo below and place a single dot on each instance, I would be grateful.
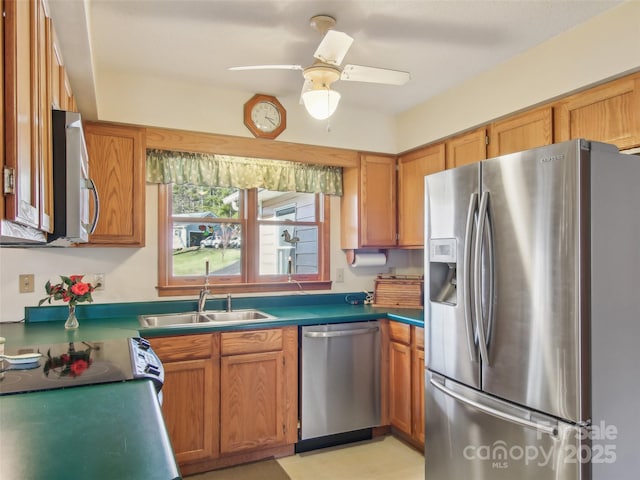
(212, 317)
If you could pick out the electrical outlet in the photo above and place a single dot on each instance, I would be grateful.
(98, 281)
(25, 282)
(339, 275)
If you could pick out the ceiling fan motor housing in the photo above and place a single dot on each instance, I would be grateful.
(321, 74)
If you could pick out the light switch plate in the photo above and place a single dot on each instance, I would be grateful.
(25, 283)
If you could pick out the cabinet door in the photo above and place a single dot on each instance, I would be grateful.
(418, 388)
(609, 113)
(252, 402)
(188, 409)
(378, 201)
(467, 148)
(400, 386)
(521, 132)
(21, 108)
(117, 166)
(412, 169)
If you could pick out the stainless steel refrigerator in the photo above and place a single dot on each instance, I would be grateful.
(532, 316)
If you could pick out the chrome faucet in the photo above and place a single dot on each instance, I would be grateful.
(202, 299)
(228, 302)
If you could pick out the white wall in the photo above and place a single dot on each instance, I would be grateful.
(602, 48)
(131, 273)
(199, 107)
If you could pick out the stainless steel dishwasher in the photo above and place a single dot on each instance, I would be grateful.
(340, 379)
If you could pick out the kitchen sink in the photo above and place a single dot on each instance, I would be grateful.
(206, 317)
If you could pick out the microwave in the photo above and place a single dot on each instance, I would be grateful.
(72, 186)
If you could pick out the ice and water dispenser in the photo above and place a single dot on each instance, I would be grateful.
(443, 265)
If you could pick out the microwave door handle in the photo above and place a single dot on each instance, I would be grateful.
(551, 430)
(466, 290)
(96, 201)
(477, 270)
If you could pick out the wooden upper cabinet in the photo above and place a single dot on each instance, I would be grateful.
(368, 205)
(467, 148)
(521, 132)
(21, 97)
(609, 113)
(378, 201)
(117, 167)
(412, 169)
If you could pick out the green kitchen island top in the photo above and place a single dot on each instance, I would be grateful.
(109, 431)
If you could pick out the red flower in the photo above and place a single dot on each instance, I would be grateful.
(79, 288)
(71, 290)
(78, 367)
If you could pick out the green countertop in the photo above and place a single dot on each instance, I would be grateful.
(116, 430)
(108, 321)
(97, 432)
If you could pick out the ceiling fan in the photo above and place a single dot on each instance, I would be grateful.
(317, 96)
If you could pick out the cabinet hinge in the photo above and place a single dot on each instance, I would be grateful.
(486, 139)
(9, 186)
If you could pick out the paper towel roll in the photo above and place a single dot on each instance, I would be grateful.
(369, 260)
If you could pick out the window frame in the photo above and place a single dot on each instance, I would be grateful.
(169, 285)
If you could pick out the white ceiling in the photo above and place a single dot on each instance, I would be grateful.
(441, 43)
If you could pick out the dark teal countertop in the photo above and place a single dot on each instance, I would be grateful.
(120, 320)
(97, 432)
(116, 430)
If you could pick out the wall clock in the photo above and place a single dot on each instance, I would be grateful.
(264, 116)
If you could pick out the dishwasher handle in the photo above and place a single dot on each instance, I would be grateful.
(342, 333)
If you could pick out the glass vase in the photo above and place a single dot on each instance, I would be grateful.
(72, 321)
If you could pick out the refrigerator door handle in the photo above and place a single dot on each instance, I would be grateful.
(551, 430)
(466, 289)
(477, 270)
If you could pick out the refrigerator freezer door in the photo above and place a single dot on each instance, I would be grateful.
(535, 213)
(473, 435)
(450, 204)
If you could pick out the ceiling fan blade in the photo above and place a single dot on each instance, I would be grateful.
(333, 47)
(360, 73)
(267, 67)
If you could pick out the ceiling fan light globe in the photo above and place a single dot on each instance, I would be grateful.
(321, 104)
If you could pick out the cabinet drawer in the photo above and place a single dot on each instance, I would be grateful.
(255, 341)
(188, 347)
(399, 332)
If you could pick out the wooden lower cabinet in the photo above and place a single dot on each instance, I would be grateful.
(191, 393)
(405, 385)
(417, 391)
(230, 397)
(259, 389)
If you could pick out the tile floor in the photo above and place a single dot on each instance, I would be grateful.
(383, 458)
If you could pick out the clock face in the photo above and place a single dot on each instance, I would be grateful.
(265, 116)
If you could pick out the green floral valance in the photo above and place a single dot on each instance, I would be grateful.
(184, 168)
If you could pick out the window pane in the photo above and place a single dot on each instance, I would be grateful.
(279, 242)
(213, 202)
(217, 242)
(200, 235)
(278, 206)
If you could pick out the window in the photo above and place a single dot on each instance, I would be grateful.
(253, 240)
